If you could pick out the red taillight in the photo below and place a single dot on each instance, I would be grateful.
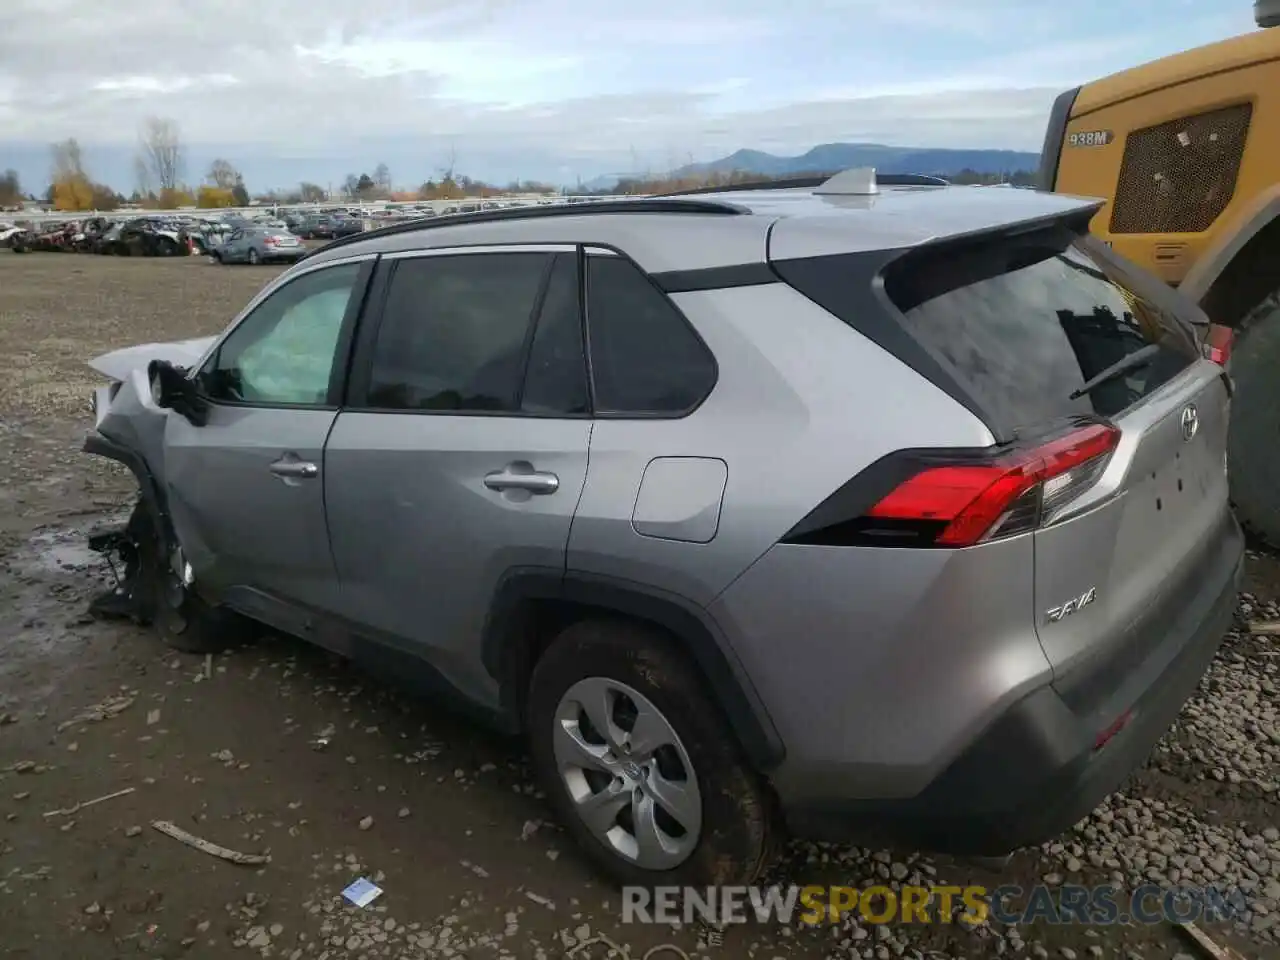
(1008, 495)
(1217, 345)
(270, 241)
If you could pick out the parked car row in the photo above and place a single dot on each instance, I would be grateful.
(139, 237)
(222, 239)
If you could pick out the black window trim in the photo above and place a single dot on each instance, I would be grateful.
(347, 332)
(355, 398)
(608, 250)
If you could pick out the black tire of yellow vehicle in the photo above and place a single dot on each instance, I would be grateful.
(179, 617)
(1253, 447)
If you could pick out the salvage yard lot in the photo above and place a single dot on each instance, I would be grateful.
(285, 749)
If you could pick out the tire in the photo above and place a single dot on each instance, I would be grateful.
(215, 257)
(1253, 447)
(728, 811)
(254, 259)
(180, 618)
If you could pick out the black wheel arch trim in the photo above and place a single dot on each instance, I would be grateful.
(148, 489)
(506, 658)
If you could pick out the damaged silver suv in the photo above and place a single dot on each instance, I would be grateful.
(877, 508)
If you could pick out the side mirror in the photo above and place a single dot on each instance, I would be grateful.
(172, 390)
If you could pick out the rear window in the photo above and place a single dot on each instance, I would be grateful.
(1023, 324)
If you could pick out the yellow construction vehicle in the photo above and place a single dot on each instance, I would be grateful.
(1186, 151)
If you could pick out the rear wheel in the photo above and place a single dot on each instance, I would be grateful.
(639, 765)
(1254, 441)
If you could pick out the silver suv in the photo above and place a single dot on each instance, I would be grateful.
(879, 509)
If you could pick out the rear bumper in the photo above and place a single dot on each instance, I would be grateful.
(1036, 772)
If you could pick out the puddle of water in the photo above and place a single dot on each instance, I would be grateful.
(64, 550)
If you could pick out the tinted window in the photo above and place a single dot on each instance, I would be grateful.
(1025, 324)
(283, 352)
(453, 332)
(644, 356)
(556, 381)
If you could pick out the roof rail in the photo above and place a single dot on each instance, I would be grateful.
(814, 181)
(639, 205)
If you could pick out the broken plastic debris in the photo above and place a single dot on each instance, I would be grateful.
(1184, 138)
(362, 892)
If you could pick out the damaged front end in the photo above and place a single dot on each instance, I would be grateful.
(130, 415)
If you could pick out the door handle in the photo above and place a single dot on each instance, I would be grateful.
(295, 469)
(512, 478)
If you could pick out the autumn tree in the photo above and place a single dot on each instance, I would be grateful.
(210, 197)
(10, 189)
(171, 198)
(160, 150)
(71, 188)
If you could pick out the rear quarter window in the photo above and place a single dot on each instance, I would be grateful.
(1024, 324)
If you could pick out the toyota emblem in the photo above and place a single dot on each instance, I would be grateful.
(1190, 422)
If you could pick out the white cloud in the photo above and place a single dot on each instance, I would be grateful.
(568, 79)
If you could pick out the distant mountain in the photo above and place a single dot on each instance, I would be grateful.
(828, 157)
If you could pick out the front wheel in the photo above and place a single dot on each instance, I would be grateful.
(254, 259)
(639, 764)
(1253, 444)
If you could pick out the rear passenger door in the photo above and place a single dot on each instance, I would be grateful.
(462, 450)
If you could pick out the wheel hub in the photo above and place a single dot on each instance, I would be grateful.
(627, 773)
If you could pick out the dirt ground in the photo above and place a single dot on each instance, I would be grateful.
(280, 748)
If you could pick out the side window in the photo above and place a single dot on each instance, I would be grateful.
(283, 352)
(453, 332)
(645, 359)
(556, 377)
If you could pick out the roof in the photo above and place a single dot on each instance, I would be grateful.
(731, 227)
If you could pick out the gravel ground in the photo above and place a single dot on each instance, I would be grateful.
(281, 748)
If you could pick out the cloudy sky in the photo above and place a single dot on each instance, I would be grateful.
(554, 89)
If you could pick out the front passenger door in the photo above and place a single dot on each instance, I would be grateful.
(246, 489)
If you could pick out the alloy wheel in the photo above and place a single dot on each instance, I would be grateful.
(627, 773)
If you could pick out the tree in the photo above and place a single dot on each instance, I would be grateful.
(239, 192)
(71, 188)
(382, 178)
(160, 150)
(73, 193)
(311, 192)
(68, 160)
(365, 185)
(102, 197)
(10, 189)
(171, 198)
(351, 185)
(212, 197)
(222, 174)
